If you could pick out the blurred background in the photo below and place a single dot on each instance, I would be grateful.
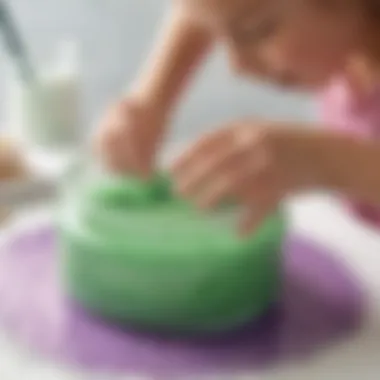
(115, 37)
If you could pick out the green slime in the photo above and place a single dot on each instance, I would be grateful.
(133, 252)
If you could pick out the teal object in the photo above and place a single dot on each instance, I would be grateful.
(134, 253)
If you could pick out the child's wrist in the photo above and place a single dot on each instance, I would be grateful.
(145, 101)
(319, 157)
(349, 165)
(311, 152)
(324, 151)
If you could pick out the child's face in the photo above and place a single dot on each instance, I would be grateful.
(297, 43)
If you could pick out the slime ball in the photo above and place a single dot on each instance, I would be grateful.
(133, 253)
(130, 192)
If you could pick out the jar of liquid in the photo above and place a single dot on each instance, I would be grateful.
(46, 112)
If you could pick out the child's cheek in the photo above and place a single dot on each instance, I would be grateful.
(310, 66)
(291, 53)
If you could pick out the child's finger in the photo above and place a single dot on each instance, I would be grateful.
(246, 179)
(219, 191)
(206, 170)
(200, 148)
(256, 215)
(221, 187)
(135, 159)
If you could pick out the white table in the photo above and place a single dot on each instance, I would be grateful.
(317, 217)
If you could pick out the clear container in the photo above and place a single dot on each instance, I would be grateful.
(46, 113)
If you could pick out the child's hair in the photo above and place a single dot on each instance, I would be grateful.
(371, 14)
(368, 12)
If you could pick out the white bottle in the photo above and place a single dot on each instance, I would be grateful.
(46, 114)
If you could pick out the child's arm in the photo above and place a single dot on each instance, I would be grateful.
(132, 131)
(349, 165)
(259, 163)
(181, 47)
(322, 158)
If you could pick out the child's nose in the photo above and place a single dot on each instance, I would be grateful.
(274, 59)
(250, 65)
(238, 62)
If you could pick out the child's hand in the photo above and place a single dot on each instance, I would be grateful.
(129, 137)
(253, 163)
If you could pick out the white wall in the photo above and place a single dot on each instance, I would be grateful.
(116, 36)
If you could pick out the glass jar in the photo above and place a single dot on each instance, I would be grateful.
(46, 112)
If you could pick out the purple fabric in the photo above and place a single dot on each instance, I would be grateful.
(322, 302)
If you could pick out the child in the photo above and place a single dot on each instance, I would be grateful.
(331, 45)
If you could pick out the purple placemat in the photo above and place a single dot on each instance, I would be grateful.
(321, 303)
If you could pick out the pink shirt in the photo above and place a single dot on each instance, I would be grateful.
(344, 111)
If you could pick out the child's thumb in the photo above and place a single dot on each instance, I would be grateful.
(255, 216)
